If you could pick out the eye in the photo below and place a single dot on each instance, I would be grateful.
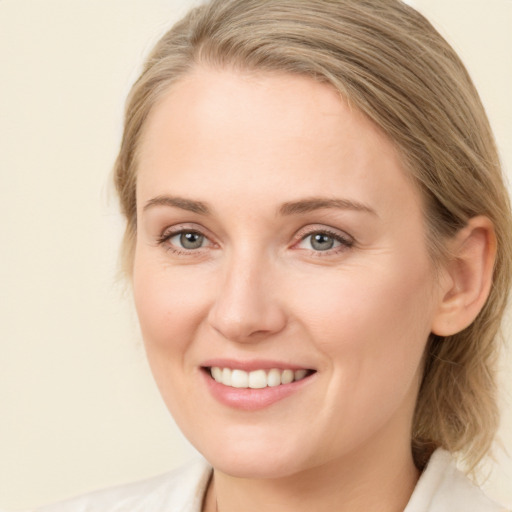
(189, 240)
(181, 240)
(322, 241)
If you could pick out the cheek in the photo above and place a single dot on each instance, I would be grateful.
(168, 308)
(168, 302)
(373, 339)
(170, 305)
(372, 326)
(367, 303)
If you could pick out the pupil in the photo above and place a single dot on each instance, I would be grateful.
(191, 240)
(322, 242)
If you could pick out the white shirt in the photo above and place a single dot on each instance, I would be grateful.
(441, 488)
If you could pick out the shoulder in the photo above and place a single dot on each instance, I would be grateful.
(443, 488)
(181, 490)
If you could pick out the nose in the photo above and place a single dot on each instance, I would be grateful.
(246, 307)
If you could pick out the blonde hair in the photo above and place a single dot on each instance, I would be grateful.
(388, 61)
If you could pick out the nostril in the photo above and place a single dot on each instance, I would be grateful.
(244, 309)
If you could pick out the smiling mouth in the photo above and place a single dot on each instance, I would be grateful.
(257, 379)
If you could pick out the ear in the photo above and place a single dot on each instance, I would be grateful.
(468, 275)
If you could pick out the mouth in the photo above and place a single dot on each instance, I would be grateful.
(254, 385)
(256, 379)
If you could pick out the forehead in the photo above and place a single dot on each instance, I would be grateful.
(278, 105)
(262, 131)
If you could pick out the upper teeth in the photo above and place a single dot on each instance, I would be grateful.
(257, 379)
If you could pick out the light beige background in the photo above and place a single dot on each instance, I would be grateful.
(78, 409)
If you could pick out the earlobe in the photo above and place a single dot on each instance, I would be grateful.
(469, 277)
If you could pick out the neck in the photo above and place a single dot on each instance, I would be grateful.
(376, 480)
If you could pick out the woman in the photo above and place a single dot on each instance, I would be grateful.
(318, 237)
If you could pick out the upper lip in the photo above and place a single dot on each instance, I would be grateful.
(254, 364)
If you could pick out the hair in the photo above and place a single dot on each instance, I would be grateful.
(389, 62)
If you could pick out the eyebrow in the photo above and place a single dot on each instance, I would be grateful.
(318, 203)
(179, 202)
(289, 208)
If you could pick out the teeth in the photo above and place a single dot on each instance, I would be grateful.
(226, 376)
(257, 379)
(217, 373)
(273, 378)
(300, 374)
(239, 379)
(287, 377)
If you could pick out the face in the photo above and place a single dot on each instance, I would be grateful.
(281, 276)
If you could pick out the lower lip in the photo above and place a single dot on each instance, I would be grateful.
(248, 399)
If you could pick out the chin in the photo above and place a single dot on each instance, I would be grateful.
(256, 467)
(260, 457)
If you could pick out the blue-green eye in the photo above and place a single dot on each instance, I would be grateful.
(188, 240)
(321, 241)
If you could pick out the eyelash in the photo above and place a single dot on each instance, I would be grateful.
(345, 242)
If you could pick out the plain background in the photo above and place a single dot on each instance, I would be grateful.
(78, 408)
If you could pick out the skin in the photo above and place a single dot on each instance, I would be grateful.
(359, 314)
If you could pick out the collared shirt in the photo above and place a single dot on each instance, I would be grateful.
(441, 488)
